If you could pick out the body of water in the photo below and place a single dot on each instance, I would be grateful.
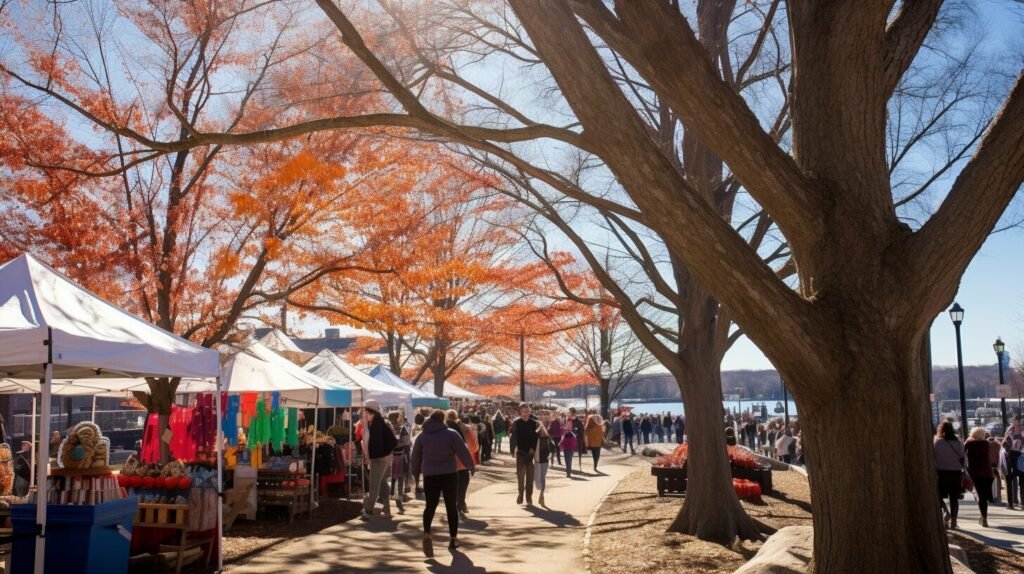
(677, 407)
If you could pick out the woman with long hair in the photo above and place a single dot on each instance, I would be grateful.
(593, 432)
(979, 466)
(949, 463)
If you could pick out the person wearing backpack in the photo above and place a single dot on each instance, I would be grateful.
(379, 442)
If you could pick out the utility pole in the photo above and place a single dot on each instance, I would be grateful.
(522, 368)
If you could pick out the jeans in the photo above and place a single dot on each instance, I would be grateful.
(380, 471)
(596, 453)
(1012, 481)
(524, 473)
(568, 463)
(627, 439)
(433, 488)
(541, 476)
(463, 487)
(647, 437)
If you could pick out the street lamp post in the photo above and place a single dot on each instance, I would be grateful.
(956, 313)
(1000, 348)
(785, 403)
(605, 374)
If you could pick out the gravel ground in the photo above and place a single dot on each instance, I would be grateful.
(629, 532)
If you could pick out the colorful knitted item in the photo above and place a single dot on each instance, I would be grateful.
(277, 429)
(229, 425)
(151, 440)
(182, 447)
(248, 408)
(291, 437)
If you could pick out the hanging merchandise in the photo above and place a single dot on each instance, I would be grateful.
(275, 400)
(291, 437)
(248, 408)
(204, 424)
(151, 440)
(182, 447)
(232, 406)
(277, 429)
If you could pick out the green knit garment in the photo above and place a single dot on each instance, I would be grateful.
(259, 433)
(277, 429)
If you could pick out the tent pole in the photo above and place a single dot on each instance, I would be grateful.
(351, 454)
(32, 465)
(44, 459)
(220, 478)
(313, 483)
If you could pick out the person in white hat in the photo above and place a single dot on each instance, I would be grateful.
(378, 443)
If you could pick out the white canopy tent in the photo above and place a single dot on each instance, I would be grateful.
(331, 367)
(453, 392)
(420, 397)
(52, 328)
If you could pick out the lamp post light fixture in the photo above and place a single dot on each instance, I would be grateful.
(604, 373)
(956, 314)
(1000, 347)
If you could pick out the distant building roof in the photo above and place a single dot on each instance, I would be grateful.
(333, 344)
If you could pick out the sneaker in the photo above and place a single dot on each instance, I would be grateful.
(428, 546)
(519, 499)
(529, 502)
(364, 516)
(454, 544)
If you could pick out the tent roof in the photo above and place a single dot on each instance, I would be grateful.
(453, 392)
(250, 366)
(90, 337)
(332, 368)
(278, 341)
(420, 397)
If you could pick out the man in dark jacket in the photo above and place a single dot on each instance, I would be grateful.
(627, 433)
(433, 455)
(524, 445)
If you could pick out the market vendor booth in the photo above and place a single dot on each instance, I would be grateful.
(50, 328)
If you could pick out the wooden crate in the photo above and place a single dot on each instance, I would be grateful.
(162, 515)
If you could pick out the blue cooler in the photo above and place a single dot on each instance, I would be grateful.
(79, 539)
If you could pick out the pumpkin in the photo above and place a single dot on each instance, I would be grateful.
(184, 483)
(148, 482)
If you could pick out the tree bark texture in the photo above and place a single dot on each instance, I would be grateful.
(870, 463)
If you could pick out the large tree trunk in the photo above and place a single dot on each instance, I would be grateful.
(711, 510)
(870, 463)
(158, 401)
(439, 369)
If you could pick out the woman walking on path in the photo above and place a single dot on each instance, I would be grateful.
(1008, 468)
(594, 433)
(568, 445)
(434, 455)
(400, 458)
(378, 443)
(556, 432)
(949, 463)
(452, 422)
(979, 466)
(500, 429)
(542, 459)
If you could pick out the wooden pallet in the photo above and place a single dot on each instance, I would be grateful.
(155, 515)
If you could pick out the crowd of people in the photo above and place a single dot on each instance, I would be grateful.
(983, 464)
(444, 449)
